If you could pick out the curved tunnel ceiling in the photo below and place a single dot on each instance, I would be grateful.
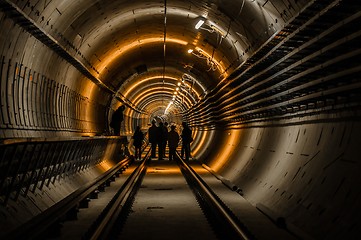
(140, 48)
(271, 88)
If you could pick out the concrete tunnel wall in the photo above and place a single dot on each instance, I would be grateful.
(304, 173)
(305, 170)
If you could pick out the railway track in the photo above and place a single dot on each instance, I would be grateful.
(150, 199)
(157, 202)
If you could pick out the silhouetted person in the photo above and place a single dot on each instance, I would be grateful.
(162, 133)
(117, 119)
(164, 137)
(138, 138)
(152, 135)
(173, 140)
(186, 140)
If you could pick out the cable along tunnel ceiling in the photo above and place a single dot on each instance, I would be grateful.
(150, 52)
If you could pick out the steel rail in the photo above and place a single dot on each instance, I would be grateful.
(102, 227)
(240, 231)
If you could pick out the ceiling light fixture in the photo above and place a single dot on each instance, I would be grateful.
(210, 27)
(199, 23)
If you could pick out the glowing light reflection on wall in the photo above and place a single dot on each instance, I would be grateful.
(105, 166)
(202, 140)
(88, 90)
(226, 150)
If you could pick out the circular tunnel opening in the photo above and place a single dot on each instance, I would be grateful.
(271, 89)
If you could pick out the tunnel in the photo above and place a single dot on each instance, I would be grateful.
(270, 88)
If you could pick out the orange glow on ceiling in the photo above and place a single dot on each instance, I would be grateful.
(144, 80)
(129, 46)
(138, 82)
(151, 93)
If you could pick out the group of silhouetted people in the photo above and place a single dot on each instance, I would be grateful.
(159, 137)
